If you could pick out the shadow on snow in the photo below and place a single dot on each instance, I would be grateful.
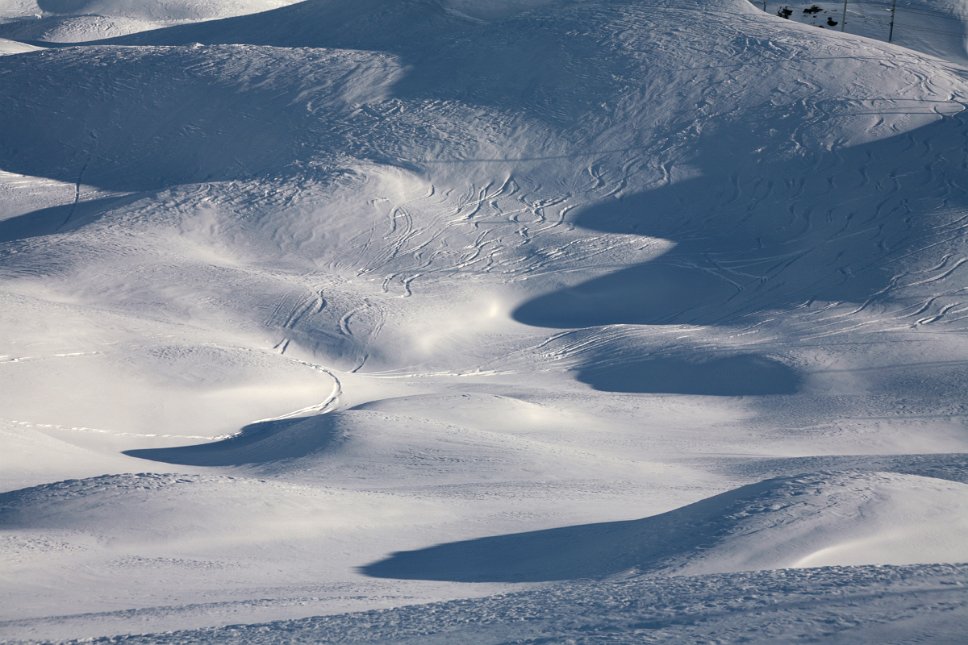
(258, 443)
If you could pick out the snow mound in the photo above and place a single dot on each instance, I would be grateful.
(57, 29)
(229, 112)
(809, 520)
(415, 441)
(471, 264)
(161, 10)
(176, 512)
(262, 443)
(9, 47)
(72, 21)
(938, 27)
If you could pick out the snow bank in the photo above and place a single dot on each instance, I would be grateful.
(70, 21)
(809, 520)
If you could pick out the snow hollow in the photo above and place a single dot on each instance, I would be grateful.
(501, 321)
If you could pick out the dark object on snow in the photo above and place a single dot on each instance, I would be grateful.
(785, 12)
(831, 22)
(812, 9)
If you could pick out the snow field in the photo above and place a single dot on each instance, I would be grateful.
(347, 305)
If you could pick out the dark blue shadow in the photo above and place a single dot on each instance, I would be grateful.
(256, 444)
(740, 375)
(828, 226)
(58, 219)
(583, 551)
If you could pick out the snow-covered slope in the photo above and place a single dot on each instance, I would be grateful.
(68, 21)
(938, 27)
(323, 309)
(14, 47)
(899, 605)
(809, 520)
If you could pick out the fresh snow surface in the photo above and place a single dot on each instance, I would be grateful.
(15, 47)
(67, 21)
(789, 606)
(938, 27)
(452, 321)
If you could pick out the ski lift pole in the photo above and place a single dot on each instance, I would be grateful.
(890, 35)
(843, 18)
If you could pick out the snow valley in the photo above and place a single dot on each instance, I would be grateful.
(480, 321)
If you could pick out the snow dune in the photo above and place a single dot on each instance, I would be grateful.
(68, 21)
(341, 306)
(819, 519)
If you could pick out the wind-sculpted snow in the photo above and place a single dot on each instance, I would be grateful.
(133, 507)
(938, 27)
(202, 128)
(809, 230)
(814, 520)
(952, 467)
(66, 21)
(8, 47)
(259, 443)
(393, 296)
(897, 603)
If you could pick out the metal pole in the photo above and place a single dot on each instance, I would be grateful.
(843, 18)
(890, 35)
(764, 5)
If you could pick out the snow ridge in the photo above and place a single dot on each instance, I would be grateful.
(316, 308)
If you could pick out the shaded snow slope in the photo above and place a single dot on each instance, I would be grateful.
(808, 520)
(206, 133)
(220, 540)
(393, 276)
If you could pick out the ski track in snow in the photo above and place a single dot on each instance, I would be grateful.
(618, 321)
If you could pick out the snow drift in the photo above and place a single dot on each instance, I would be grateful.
(810, 520)
(410, 273)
